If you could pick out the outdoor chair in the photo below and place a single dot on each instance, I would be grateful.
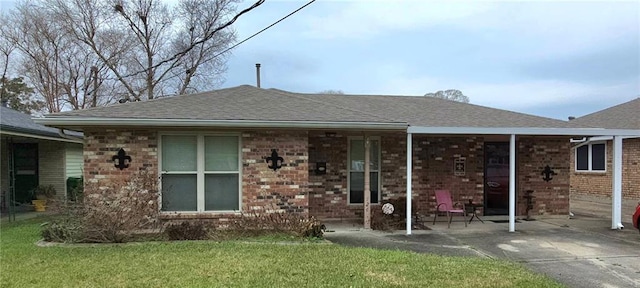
(445, 204)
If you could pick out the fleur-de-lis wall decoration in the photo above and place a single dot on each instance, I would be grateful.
(275, 161)
(548, 173)
(121, 160)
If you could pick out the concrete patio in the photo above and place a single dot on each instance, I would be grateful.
(578, 252)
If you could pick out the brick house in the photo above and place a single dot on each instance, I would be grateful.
(32, 155)
(212, 152)
(592, 157)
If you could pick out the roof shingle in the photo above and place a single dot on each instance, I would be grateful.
(250, 103)
(623, 116)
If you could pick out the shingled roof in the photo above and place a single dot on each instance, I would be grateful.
(250, 103)
(623, 116)
(14, 121)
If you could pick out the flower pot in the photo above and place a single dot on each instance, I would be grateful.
(39, 205)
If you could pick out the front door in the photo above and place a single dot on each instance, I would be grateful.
(25, 170)
(496, 178)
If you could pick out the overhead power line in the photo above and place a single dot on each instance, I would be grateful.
(264, 29)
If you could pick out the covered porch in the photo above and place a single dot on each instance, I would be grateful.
(462, 163)
(527, 164)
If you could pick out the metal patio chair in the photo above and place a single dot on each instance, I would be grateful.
(445, 204)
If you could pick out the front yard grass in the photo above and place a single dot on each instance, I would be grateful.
(239, 264)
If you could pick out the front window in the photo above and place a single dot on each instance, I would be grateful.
(356, 170)
(591, 157)
(200, 172)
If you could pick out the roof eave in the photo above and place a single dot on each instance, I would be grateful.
(89, 121)
(523, 131)
(71, 139)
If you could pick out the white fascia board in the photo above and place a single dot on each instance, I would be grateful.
(82, 121)
(523, 131)
(600, 138)
(11, 133)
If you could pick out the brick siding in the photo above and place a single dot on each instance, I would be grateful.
(534, 153)
(282, 190)
(433, 161)
(599, 183)
(295, 188)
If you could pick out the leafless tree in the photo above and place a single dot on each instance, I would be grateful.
(330, 91)
(451, 94)
(84, 53)
(52, 61)
(153, 49)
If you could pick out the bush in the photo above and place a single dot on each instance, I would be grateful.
(120, 209)
(68, 226)
(114, 212)
(267, 221)
(75, 188)
(311, 228)
(63, 231)
(186, 231)
(394, 221)
(43, 192)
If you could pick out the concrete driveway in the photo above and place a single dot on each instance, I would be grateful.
(579, 252)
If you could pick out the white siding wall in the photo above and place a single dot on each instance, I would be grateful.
(51, 164)
(74, 160)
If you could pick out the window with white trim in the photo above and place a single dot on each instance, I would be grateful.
(200, 172)
(356, 170)
(591, 157)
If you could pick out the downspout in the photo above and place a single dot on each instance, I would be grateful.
(65, 136)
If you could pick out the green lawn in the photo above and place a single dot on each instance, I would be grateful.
(239, 264)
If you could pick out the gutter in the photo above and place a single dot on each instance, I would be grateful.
(524, 131)
(587, 140)
(89, 121)
(34, 136)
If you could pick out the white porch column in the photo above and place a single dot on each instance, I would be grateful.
(616, 199)
(512, 183)
(409, 170)
(367, 183)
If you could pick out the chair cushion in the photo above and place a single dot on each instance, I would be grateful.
(456, 211)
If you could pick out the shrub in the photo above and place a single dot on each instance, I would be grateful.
(43, 192)
(263, 221)
(186, 231)
(120, 209)
(63, 231)
(394, 221)
(311, 228)
(67, 226)
(114, 212)
(75, 188)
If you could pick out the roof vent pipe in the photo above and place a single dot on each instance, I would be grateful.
(258, 74)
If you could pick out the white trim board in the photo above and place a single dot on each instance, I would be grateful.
(524, 131)
(82, 121)
(3, 132)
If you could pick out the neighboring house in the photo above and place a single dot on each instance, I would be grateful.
(210, 152)
(591, 159)
(33, 154)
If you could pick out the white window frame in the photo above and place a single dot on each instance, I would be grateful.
(349, 139)
(200, 164)
(590, 157)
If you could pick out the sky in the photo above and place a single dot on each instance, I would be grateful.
(547, 58)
